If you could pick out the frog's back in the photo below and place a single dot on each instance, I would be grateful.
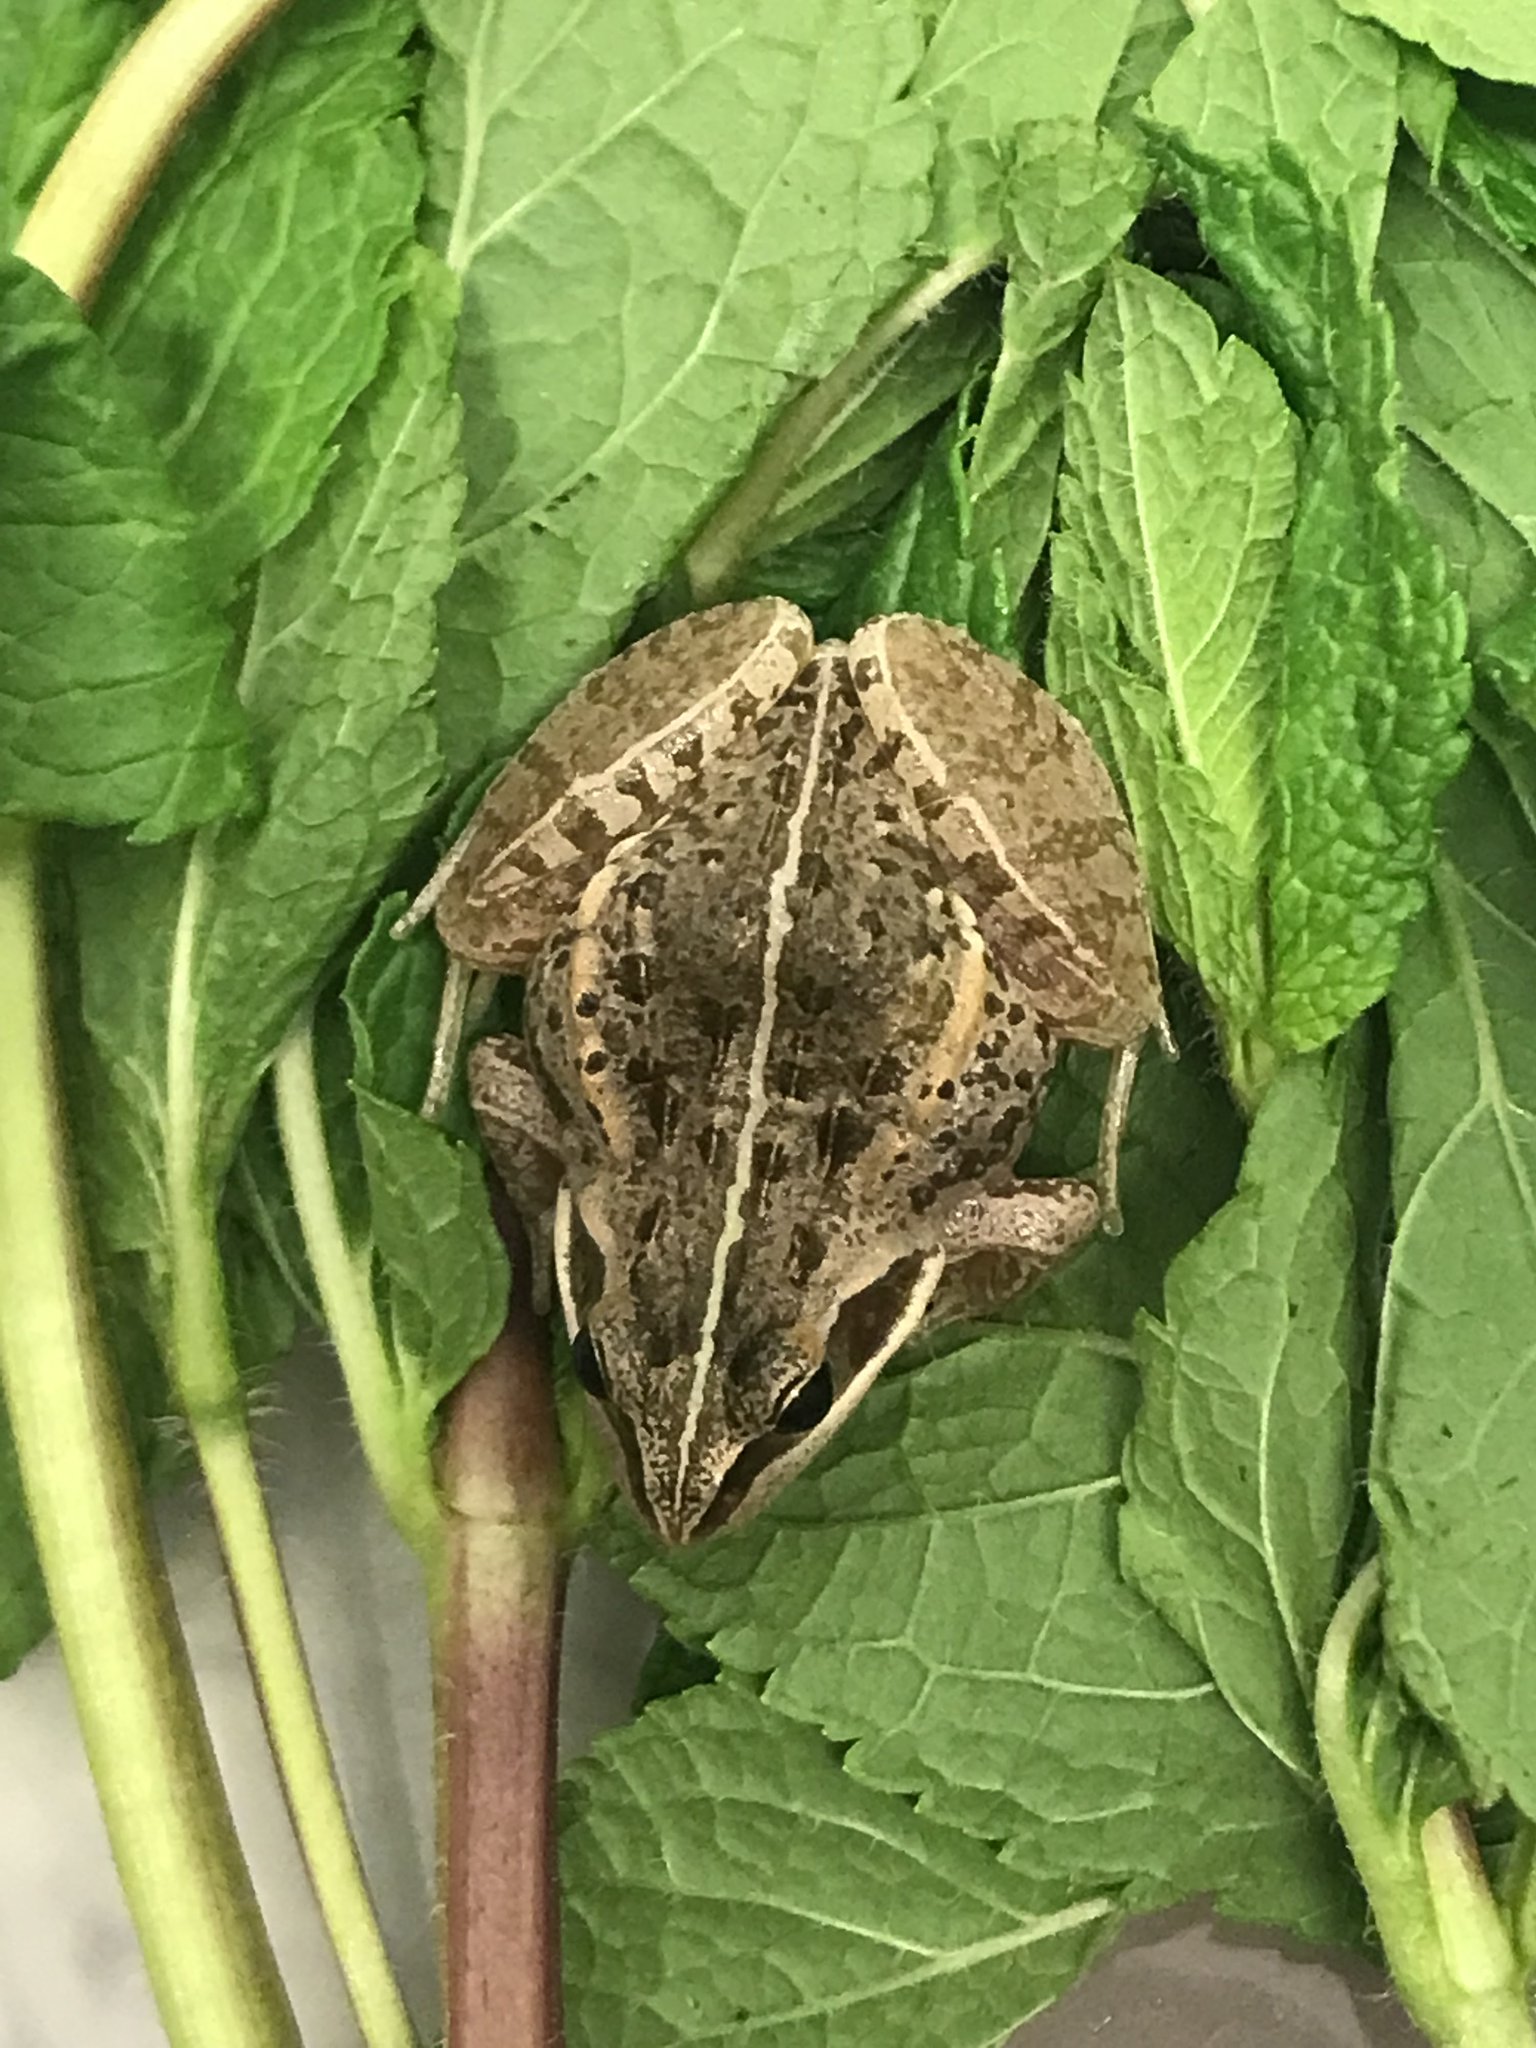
(779, 1011)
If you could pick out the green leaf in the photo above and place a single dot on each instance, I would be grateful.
(1456, 1410)
(1072, 199)
(441, 1266)
(1372, 686)
(1427, 100)
(762, 1890)
(846, 469)
(1492, 150)
(249, 306)
(1240, 1468)
(113, 705)
(1300, 74)
(1490, 566)
(929, 560)
(193, 965)
(1157, 29)
(992, 66)
(666, 228)
(1491, 36)
(1370, 731)
(941, 1591)
(1463, 304)
(1180, 485)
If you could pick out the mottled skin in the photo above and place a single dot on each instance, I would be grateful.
(797, 978)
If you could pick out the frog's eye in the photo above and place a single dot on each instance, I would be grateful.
(587, 1364)
(808, 1404)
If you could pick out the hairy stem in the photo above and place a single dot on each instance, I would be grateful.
(208, 1386)
(344, 1277)
(1445, 1940)
(186, 1884)
(727, 537)
(498, 1651)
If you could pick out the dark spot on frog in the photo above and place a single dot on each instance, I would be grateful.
(923, 1198)
(884, 757)
(842, 1134)
(807, 1249)
(711, 1144)
(595, 1062)
(770, 1162)
(945, 1091)
(588, 1003)
(689, 753)
(648, 1222)
(632, 977)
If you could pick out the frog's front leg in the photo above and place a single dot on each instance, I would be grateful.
(522, 1139)
(997, 1244)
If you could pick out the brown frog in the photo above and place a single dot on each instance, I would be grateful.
(803, 928)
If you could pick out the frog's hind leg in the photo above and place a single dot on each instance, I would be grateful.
(1024, 819)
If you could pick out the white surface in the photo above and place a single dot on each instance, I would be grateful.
(70, 1976)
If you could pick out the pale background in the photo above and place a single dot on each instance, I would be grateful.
(69, 1971)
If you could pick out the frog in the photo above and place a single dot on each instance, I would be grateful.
(804, 927)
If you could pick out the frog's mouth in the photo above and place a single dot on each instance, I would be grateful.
(867, 1333)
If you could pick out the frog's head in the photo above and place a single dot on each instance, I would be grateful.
(714, 1384)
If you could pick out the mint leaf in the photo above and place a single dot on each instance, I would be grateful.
(941, 1593)
(1490, 566)
(1490, 148)
(1374, 691)
(1157, 29)
(941, 1590)
(1426, 94)
(991, 66)
(248, 307)
(1071, 200)
(1240, 1469)
(1463, 304)
(666, 228)
(1372, 684)
(865, 456)
(929, 560)
(1491, 36)
(1180, 485)
(1297, 73)
(442, 1271)
(113, 705)
(1456, 1407)
(193, 965)
(760, 1888)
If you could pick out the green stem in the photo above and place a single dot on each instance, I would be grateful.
(344, 1276)
(98, 184)
(208, 1387)
(186, 1884)
(497, 1664)
(727, 537)
(1446, 1943)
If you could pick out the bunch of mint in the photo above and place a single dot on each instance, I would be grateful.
(1187, 355)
